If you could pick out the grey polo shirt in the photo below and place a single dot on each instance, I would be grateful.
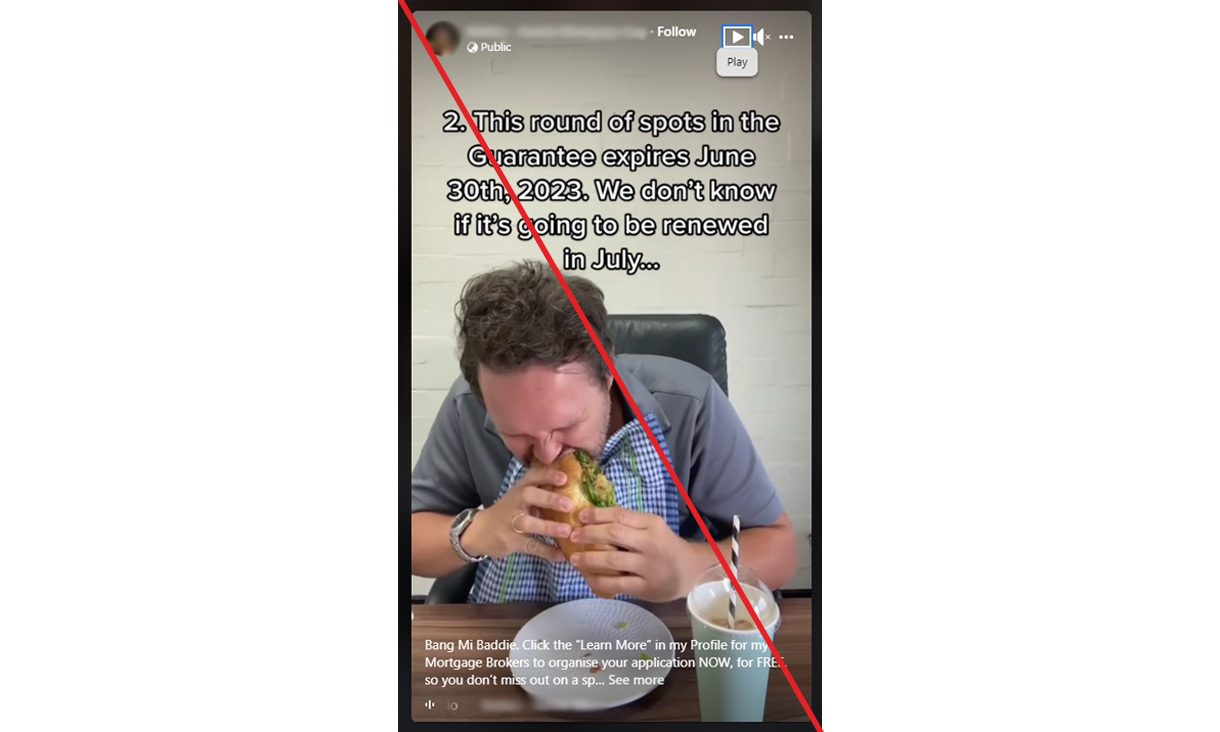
(463, 462)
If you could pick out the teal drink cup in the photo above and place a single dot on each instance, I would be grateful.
(732, 662)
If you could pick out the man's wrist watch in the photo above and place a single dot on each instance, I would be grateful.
(460, 524)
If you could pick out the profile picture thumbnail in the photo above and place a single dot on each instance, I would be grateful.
(443, 37)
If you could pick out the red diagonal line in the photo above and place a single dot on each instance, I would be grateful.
(601, 349)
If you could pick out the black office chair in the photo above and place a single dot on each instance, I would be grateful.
(696, 339)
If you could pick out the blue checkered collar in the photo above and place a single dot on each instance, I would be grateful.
(618, 439)
(644, 399)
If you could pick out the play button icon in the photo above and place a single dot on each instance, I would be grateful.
(736, 36)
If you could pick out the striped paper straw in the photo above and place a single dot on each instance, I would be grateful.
(733, 564)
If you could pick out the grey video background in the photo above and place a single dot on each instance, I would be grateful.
(760, 288)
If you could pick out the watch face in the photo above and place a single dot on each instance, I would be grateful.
(465, 514)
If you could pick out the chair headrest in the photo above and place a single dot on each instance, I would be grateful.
(696, 339)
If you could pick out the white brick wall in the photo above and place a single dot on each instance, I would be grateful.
(761, 288)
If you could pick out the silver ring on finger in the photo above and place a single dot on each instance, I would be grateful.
(513, 523)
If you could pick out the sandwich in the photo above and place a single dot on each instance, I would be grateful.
(587, 487)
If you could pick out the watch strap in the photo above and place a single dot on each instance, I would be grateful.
(455, 535)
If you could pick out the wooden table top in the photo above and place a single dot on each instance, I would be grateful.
(676, 700)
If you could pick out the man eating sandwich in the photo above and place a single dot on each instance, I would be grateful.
(537, 470)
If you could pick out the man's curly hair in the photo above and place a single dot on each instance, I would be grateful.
(519, 316)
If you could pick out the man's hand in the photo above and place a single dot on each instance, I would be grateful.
(657, 562)
(493, 532)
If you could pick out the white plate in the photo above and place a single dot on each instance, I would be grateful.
(591, 621)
